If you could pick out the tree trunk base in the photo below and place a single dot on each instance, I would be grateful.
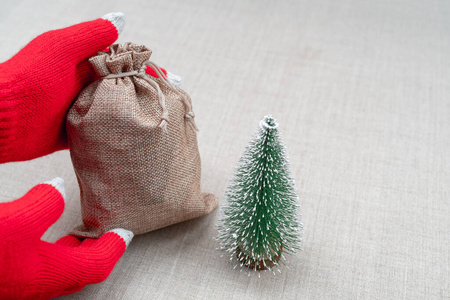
(257, 264)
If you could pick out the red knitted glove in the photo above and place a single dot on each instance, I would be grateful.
(38, 84)
(34, 269)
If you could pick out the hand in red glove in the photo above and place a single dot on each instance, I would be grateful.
(39, 83)
(34, 269)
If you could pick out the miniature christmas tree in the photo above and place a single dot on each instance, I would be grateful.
(262, 218)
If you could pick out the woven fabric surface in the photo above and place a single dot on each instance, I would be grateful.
(360, 90)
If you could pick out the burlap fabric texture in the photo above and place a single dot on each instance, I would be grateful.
(133, 145)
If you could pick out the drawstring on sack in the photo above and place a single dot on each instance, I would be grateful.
(189, 116)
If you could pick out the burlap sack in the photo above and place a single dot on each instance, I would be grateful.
(134, 148)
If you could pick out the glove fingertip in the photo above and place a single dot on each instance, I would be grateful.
(58, 184)
(126, 235)
(117, 19)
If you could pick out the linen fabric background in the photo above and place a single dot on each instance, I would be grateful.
(361, 92)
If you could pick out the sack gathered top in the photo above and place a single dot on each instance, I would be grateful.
(133, 145)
